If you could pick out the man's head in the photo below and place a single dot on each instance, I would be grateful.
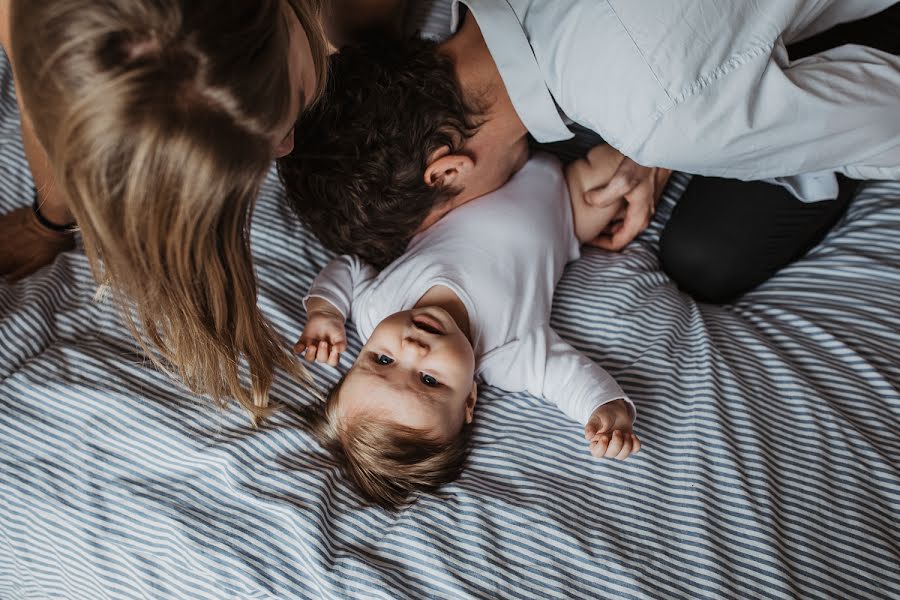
(395, 142)
(401, 416)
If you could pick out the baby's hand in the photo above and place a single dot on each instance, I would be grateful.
(324, 337)
(609, 431)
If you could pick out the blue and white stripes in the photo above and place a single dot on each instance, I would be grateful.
(770, 468)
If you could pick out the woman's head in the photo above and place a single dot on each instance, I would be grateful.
(160, 119)
(306, 68)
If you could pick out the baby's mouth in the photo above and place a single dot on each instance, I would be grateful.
(428, 324)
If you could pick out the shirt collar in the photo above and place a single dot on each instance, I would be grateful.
(518, 67)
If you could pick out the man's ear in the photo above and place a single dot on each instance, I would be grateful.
(448, 169)
(470, 403)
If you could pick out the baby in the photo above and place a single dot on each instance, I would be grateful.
(469, 300)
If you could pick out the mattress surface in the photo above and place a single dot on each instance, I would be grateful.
(770, 466)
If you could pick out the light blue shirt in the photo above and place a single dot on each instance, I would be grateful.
(703, 86)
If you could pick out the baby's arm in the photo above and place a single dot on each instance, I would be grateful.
(545, 365)
(585, 391)
(328, 306)
(324, 336)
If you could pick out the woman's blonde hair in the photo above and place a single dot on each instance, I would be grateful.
(160, 118)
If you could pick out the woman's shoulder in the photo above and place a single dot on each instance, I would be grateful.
(4, 24)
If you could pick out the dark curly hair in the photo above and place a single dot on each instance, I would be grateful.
(356, 175)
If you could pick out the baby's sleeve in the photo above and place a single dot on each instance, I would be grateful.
(544, 365)
(340, 281)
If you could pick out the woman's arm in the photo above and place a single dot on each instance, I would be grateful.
(53, 203)
(30, 244)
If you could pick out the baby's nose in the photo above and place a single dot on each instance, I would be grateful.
(419, 347)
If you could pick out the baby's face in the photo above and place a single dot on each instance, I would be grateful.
(417, 370)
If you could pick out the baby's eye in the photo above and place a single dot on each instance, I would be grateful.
(429, 380)
(383, 359)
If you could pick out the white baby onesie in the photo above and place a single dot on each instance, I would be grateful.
(503, 255)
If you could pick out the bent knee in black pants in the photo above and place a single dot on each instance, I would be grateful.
(725, 236)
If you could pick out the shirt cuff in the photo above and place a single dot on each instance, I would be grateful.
(328, 297)
(631, 409)
(810, 187)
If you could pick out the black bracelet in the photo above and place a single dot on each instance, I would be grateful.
(35, 207)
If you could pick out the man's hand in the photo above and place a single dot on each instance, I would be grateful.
(609, 431)
(641, 187)
(324, 336)
(26, 245)
(585, 175)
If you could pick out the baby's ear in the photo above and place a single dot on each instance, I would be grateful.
(470, 403)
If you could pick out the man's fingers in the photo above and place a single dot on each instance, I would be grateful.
(626, 235)
(601, 241)
(615, 190)
(662, 178)
(604, 239)
(640, 211)
(636, 220)
(628, 176)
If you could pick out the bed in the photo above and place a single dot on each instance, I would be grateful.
(770, 467)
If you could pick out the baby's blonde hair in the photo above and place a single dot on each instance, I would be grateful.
(385, 460)
(159, 118)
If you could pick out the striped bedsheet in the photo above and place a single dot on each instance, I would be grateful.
(770, 468)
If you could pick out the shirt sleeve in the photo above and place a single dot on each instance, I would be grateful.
(339, 283)
(544, 365)
(770, 117)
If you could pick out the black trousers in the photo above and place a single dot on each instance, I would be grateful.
(726, 236)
